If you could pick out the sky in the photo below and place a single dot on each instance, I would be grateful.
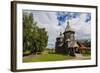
(56, 22)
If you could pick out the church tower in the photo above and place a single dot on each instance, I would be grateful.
(69, 40)
(66, 41)
(68, 33)
(59, 43)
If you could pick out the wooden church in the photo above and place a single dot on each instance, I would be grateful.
(65, 43)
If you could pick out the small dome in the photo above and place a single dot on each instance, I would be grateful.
(61, 35)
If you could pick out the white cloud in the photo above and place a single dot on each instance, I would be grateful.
(49, 21)
(82, 29)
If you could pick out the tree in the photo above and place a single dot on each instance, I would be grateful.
(34, 38)
(87, 43)
(43, 39)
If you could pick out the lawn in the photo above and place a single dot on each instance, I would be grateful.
(46, 57)
(86, 54)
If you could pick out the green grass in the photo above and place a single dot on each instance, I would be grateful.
(46, 57)
(86, 54)
(26, 52)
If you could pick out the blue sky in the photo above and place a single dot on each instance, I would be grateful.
(55, 22)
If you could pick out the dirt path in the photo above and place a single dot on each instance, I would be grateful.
(81, 57)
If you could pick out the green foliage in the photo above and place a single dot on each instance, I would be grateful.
(34, 38)
(87, 43)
